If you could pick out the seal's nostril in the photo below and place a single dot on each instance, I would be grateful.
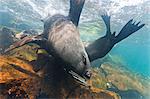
(88, 74)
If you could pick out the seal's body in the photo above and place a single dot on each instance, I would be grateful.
(65, 43)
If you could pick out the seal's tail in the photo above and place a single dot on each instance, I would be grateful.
(75, 10)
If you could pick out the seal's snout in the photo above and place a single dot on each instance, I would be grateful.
(88, 74)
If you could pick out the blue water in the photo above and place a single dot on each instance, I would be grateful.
(135, 57)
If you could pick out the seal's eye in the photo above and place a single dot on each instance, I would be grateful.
(84, 60)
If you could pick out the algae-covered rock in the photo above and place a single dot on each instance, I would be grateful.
(26, 52)
(12, 68)
(19, 79)
(27, 72)
(98, 79)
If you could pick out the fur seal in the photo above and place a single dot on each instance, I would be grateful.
(64, 39)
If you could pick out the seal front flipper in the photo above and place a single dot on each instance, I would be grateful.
(75, 10)
(37, 40)
(100, 47)
(127, 30)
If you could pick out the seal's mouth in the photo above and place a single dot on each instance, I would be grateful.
(77, 77)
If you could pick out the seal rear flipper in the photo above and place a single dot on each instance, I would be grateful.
(106, 20)
(75, 10)
(127, 30)
(100, 47)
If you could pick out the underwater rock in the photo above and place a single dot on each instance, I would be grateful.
(125, 82)
(41, 64)
(26, 33)
(128, 94)
(26, 52)
(19, 80)
(64, 85)
(20, 35)
(6, 38)
(30, 32)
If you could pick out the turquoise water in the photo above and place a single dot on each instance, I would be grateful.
(135, 57)
(134, 51)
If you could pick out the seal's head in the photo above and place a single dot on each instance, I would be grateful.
(80, 70)
(83, 66)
